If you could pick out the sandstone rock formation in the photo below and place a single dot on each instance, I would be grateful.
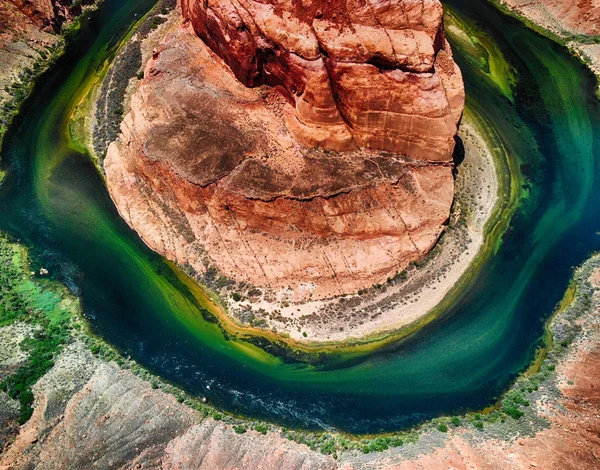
(49, 14)
(307, 148)
(582, 17)
(360, 74)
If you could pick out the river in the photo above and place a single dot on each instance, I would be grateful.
(547, 119)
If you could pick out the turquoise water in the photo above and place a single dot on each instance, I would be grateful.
(54, 201)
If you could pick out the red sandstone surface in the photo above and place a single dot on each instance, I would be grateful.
(359, 73)
(294, 147)
(50, 14)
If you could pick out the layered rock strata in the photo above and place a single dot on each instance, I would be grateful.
(304, 148)
(359, 73)
(49, 14)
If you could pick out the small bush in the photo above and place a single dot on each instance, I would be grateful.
(513, 412)
(261, 428)
(239, 429)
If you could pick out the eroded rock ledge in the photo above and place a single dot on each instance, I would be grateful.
(50, 14)
(308, 148)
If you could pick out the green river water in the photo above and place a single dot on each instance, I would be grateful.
(539, 102)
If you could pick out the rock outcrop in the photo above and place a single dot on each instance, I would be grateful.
(359, 74)
(561, 16)
(48, 14)
(306, 148)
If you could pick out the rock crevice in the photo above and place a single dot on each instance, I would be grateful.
(332, 60)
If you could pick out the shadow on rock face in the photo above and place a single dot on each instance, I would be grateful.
(459, 153)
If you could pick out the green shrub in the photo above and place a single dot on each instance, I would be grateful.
(328, 447)
(261, 428)
(512, 411)
(239, 429)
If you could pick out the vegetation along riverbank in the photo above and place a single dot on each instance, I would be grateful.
(59, 370)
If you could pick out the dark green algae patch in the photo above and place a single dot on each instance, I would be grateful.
(56, 202)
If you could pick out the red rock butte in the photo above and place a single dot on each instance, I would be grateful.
(305, 147)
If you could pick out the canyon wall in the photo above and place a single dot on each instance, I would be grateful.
(359, 73)
(48, 14)
(301, 148)
(566, 16)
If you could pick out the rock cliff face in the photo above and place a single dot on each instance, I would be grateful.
(359, 73)
(306, 148)
(582, 17)
(49, 14)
